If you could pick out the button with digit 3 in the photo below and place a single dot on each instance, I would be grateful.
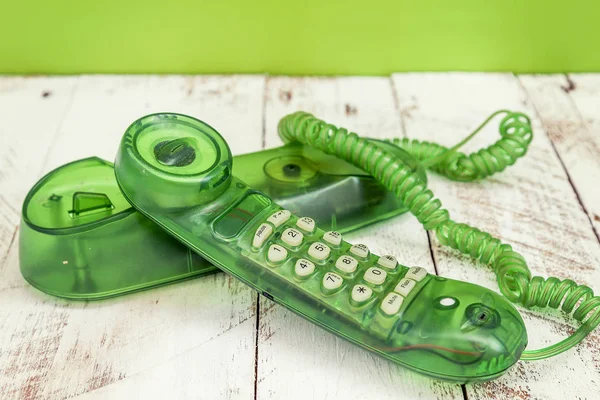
(306, 224)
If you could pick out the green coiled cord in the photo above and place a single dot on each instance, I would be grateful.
(513, 275)
(515, 132)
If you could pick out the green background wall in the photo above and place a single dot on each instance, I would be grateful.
(298, 37)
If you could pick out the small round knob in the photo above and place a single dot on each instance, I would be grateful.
(175, 153)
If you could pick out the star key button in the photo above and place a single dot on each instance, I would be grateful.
(361, 293)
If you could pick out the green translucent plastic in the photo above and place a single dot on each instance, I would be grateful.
(445, 329)
(80, 238)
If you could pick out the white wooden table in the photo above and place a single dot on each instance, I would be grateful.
(212, 337)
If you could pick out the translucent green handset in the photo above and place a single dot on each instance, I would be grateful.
(80, 238)
(178, 171)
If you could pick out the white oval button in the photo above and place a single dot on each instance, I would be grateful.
(276, 253)
(391, 303)
(332, 281)
(304, 267)
(292, 236)
(376, 276)
(361, 293)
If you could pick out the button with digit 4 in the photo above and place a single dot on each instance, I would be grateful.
(304, 267)
(306, 224)
(262, 233)
(361, 293)
(360, 250)
(332, 281)
(391, 303)
(279, 217)
(376, 276)
(416, 273)
(292, 236)
(405, 286)
(388, 262)
(276, 253)
(346, 264)
(333, 237)
(319, 251)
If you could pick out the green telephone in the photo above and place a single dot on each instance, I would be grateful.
(177, 171)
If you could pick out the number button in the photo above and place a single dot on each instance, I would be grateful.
(306, 224)
(405, 286)
(292, 236)
(319, 251)
(276, 253)
(388, 262)
(376, 276)
(304, 267)
(416, 273)
(262, 233)
(332, 237)
(332, 281)
(360, 250)
(346, 264)
(361, 293)
(391, 303)
(279, 217)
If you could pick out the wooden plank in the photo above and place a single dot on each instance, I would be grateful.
(531, 206)
(189, 338)
(297, 360)
(31, 110)
(568, 108)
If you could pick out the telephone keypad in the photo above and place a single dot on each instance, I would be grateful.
(341, 270)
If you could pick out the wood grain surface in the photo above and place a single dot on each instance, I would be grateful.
(213, 338)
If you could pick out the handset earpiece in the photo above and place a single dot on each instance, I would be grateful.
(175, 160)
